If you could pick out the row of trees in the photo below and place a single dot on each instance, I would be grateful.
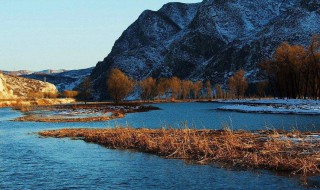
(178, 89)
(53, 95)
(294, 70)
(238, 84)
(119, 86)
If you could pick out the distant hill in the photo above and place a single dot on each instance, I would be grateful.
(64, 80)
(18, 73)
(208, 40)
(27, 72)
(50, 71)
(20, 87)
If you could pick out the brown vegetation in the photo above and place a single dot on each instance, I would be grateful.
(186, 87)
(85, 90)
(148, 88)
(73, 112)
(294, 71)
(219, 91)
(264, 150)
(35, 118)
(208, 90)
(119, 85)
(28, 104)
(197, 86)
(173, 89)
(163, 87)
(70, 93)
(238, 84)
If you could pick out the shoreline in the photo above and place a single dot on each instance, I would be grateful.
(273, 106)
(82, 112)
(104, 111)
(253, 109)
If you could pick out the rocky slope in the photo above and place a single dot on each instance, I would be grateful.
(12, 87)
(5, 93)
(208, 40)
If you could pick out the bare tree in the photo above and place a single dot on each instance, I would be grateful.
(197, 86)
(148, 88)
(85, 90)
(294, 71)
(186, 86)
(119, 85)
(175, 87)
(261, 88)
(208, 89)
(219, 91)
(238, 84)
(163, 87)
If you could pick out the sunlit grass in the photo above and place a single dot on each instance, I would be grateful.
(274, 150)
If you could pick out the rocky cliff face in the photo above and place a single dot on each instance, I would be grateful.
(208, 40)
(17, 87)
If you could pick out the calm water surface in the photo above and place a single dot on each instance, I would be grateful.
(30, 162)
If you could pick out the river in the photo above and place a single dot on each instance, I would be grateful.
(30, 162)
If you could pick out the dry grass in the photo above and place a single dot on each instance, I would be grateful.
(263, 150)
(27, 104)
(117, 112)
(57, 119)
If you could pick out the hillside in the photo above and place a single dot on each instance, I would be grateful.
(12, 87)
(208, 40)
(64, 80)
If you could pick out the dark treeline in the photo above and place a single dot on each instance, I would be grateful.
(294, 70)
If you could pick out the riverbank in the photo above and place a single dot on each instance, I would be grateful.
(25, 103)
(273, 106)
(291, 152)
(81, 112)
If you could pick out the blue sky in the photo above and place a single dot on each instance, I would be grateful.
(64, 34)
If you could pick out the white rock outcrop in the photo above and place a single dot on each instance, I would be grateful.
(5, 93)
(19, 87)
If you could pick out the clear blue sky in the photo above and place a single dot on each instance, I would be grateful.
(64, 34)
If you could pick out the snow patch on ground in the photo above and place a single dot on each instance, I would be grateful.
(276, 106)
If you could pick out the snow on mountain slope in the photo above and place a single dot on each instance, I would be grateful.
(208, 40)
(181, 14)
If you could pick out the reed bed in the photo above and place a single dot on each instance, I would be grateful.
(292, 152)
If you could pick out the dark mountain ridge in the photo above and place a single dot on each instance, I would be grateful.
(208, 40)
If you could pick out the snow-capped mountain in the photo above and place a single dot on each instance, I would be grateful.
(208, 40)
